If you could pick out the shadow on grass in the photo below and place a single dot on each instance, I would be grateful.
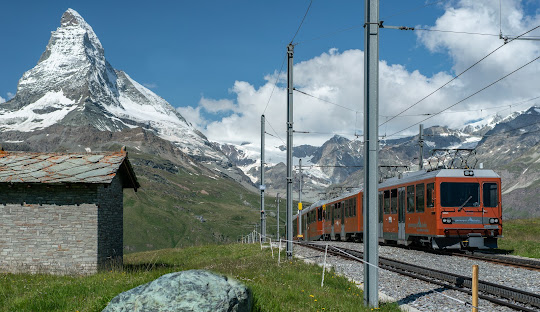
(145, 267)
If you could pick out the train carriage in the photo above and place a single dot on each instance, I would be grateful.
(445, 208)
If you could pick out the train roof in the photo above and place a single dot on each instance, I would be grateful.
(413, 176)
(409, 177)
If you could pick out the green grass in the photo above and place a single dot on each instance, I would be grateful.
(292, 286)
(183, 208)
(521, 237)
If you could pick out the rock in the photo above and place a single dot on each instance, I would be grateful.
(193, 290)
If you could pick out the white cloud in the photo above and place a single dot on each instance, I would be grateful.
(338, 77)
(193, 115)
(215, 106)
(10, 95)
(2, 100)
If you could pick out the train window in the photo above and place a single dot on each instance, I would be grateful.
(410, 198)
(347, 211)
(491, 195)
(420, 198)
(354, 207)
(457, 194)
(430, 195)
(393, 201)
(387, 202)
(319, 214)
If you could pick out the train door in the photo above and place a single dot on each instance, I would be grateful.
(342, 214)
(333, 212)
(401, 215)
(381, 217)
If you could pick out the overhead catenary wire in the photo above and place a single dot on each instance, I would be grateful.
(464, 32)
(277, 135)
(329, 102)
(302, 22)
(457, 76)
(361, 26)
(285, 57)
(468, 97)
(275, 84)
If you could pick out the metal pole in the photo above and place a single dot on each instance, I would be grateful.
(421, 143)
(300, 198)
(290, 53)
(277, 217)
(371, 149)
(262, 186)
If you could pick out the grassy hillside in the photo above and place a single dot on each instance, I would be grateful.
(522, 237)
(176, 207)
(292, 286)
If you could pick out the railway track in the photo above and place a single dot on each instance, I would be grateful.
(522, 263)
(498, 294)
(510, 261)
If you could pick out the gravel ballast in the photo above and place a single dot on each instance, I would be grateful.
(422, 295)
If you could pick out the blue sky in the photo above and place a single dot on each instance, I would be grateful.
(216, 60)
(183, 49)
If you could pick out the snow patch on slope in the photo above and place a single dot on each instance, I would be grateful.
(46, 111)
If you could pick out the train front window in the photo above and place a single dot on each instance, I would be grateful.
(457, 194)
(491, 195)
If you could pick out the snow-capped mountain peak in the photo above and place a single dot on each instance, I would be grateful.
(73, 84)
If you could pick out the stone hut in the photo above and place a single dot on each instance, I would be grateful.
(62, 213)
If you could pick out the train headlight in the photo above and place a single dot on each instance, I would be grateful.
(447, 220)
(493, 220)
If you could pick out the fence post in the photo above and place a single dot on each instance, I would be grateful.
(279, 254)
(324, 265)
(475, 288)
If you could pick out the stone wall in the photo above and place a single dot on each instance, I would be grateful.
(111, 223)
(54, 228)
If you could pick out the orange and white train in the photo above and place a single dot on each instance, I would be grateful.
(444, 208)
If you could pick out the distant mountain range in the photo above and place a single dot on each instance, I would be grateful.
(508, 145)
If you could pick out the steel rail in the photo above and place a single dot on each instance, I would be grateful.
(515, 262)
(528, 264)
(446, 279)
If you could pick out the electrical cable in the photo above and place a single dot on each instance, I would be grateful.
(268, 122)
(467, 33)
(275, 83)
(468, 97)
(347, 108)
(457, 76)
(302, 22)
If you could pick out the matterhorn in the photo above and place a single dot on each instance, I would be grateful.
(74, 85)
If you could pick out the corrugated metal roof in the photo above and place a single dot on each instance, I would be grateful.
(22, 167)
